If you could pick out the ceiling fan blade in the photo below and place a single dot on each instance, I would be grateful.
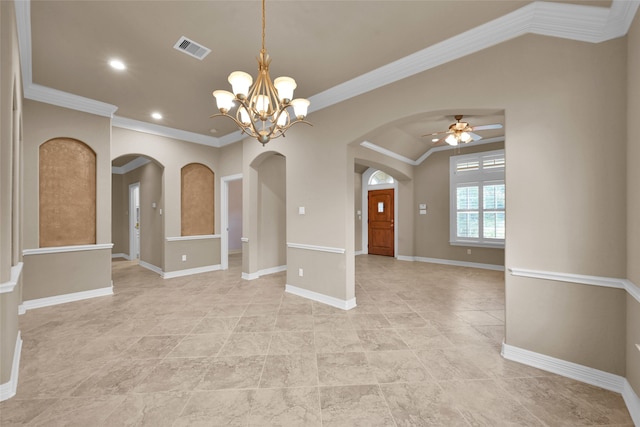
(475, 136)
(487, 127)
(435, 133)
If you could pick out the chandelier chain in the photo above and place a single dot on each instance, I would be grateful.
(264, 20)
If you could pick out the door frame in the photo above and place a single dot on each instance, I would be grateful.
(365, 209)
(133, 242)
(224, 218)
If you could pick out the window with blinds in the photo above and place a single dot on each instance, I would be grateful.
(477, 191)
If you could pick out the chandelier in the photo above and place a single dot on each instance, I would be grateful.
(263, 109)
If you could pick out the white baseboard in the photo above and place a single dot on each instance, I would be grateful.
(190, 271)
(585, 374)
(150, 267)
(120, 255)
(632, 401)
(451, 262)
(8, 389)
(263, 272)
(62, 299)
(272, 270)
(356, 253)
(250, 276)
(325, 299)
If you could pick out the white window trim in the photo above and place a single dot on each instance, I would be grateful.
(478, 177)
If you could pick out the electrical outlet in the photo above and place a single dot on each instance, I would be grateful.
(468, 251)
(184, 257)
(300, 272)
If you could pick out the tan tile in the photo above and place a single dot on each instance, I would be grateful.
(294, 322)
(356, 405)
(560, 401)
(76, 411)
(217, 408)
(484, 403)
(421, 405)
(289, 370)
(381, 339)
(476, 317)
(179, 374)
(405, 320)
(292, 342)
(397, 366)
(337, 341)
(424, 338)
(174, 326)
(148, 409)
(299, 308)
(237, 372)
(246, 344)
(215, 325)
(449, 364)
(227, 310)
(119, 376)
(200, 345)
(270, 309)
(16, 412)
(331, 322)
(369, 321)
(298, 406)
(256, 323)
(152, 347)
(344, 369)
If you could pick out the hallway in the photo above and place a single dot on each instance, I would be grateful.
(422, 347)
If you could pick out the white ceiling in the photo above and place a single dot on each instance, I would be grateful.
(334, 50)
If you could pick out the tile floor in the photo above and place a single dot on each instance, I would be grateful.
(421, 348)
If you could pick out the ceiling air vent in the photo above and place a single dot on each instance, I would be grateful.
(191, 48)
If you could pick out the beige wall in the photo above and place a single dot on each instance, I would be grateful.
(272, 213)
(199, 252)
(432, 232)
(357, 199)
(119, 215)
(555, 221)
(49, 275)
(633, 202)
(10, 185)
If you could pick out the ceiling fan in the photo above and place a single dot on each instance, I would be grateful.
(461, 132)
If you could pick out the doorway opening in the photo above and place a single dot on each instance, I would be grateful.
(134, 221)
(380, 204)
(231, 218)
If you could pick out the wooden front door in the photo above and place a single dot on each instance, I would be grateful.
(381, 234)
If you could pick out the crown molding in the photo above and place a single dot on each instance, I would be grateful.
(569, 21)
(394, 155)
(51, 96)
(132, 165)
(154, 129)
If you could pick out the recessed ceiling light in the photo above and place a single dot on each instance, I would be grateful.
(156, 115)
(117, 64)
(435, 140)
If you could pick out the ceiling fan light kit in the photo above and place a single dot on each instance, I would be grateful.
(461, 132)
(263, 110)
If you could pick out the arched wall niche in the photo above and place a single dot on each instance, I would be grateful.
(197, 200)
(67, 193)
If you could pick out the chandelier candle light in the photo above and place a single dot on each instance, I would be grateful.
(263, 108)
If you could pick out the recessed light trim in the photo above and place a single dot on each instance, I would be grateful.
(156, 115)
